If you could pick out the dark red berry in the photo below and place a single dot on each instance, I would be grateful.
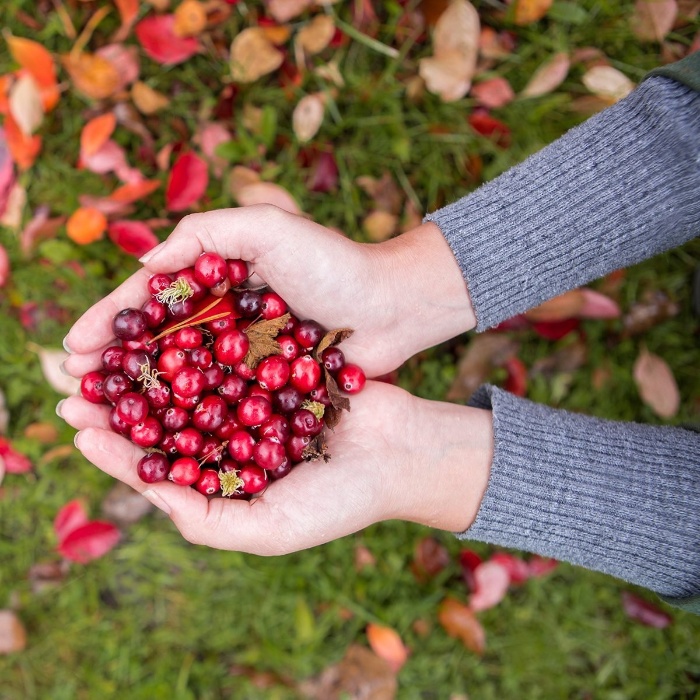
(154, 313)
(210, 269)
(247, 303)
(320, 394)
(213, 376)
(129, 324)
(276, 427)
(181, 309)
(186, 402)
(290, 347)
(269, 453)
(136, 362)
(253, 410)
(351, 379)
(158, 396)
(147, 433)
(208, 482)
(306, 374)
(189, 441)
(117, 424)
(290, 326)
(237, 272)
(296, 446)
(209, 414)
(243, 371)
(184, 471)
(92, 387)
(229, 426)
(175, 419)
(211, 450)
(142, 343)
(167, 444)
(232, 388)
(282, 470)
(153, 467)
(257, 390)
(308, 334)
(333, 359)
(112, 358)
(116, 385)
(272, 372)
(305, 424)
(132, 408)
(166, 342)
(287, 400)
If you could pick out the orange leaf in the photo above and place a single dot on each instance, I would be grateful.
(459, 621)
(23, 149)
(657, 385)
(39, 63)
(128, 12)
(133, 191)
(387, 644)
(5, 84)
(95, 133)
(565, 305)
(190, 18)
(92, 75)
(86, 225)
(527, 11)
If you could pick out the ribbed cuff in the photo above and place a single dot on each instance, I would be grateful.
(620, 498)
(618, 189)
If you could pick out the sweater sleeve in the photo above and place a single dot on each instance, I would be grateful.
(621, 498)
(611, 192)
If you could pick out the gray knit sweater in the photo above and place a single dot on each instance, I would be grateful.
(616, 497)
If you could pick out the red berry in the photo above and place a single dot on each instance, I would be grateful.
(188, 338)
(167, 444)
(158, 396)
(290, 347)
(320, 394)
(240, 446)
(269, 453)
(188, 382)
(132, 408)
(158, 282)
(186, 402)
(254, 478)
(166, 342)
(247, 303)
(154, 313)
(182, 309)
(135, 362)
(117, 424)
(199, 291)
(116, 385)
(153, 467)
(201, 357)
(229, 426)
(333, 359)
(287, 400)
(237, 272)
(175, 419)
(305, 424)
(272, 306)
(142, 343)
(231, 347)
(276, 427)
(232, 388)
(129, 324)
(208, 482)
(253, 410)
(172, 360)
(282, 470)
(243, 371)
(221, 325)
(296, 446)
(184, 471)
(211, 450)
(257, 390)
(213, 376)
(112, 358)
(308, 334)
(210, 269)
(351, 379)
(272, 372)
(209, 413)
(92, 387)
(189, 441)
(147, 433)
(306, 374)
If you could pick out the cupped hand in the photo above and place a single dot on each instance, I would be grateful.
(392, 456)
(399, 297)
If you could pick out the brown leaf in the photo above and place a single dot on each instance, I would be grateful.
(360, 675)
(527, 11)
(567, 359)
(388, 645)
(316, 35)
(483, 353)
(334, 337)
(146, 99)
(253, 55)
(364, 559)
(548, 77)
(308, 116)
(652, 20)
(268, 193)
(429, 558)
(241, 177)
(460, 621)
(657, 385)
(284, 10)
(316, 449)
(44, 433)
(124, 506)
(92, 75)
(653, 308)
(13, 636)
(262, 339)
(339, 401)
(384, 191)
(380, 225)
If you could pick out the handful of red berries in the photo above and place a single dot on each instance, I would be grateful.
(220, 383)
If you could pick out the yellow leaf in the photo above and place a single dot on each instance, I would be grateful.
(92, 75)
(190, 18)
(253, 55)
(146, 99)
(317, 34)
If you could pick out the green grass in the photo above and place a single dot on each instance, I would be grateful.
(159, 618)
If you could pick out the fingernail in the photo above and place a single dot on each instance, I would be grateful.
(63, 369)
(75, 439)
(66, 347)
(157, 500)
(151, 253)
(58, 407)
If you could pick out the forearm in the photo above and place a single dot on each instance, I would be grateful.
(617, 189)
(621, 498)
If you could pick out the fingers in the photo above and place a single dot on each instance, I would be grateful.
(81, 414)
(79, 364)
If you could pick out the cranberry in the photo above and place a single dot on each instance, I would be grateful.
(188, 338)
(112, 358)
(296, 446)
(254, 478)
(290, 347)
(117, 424)
(143, 342)
(272, 372)
(306, 373)
(320, 394)
(116, 385)
(333, 359)
(276, 427)
(240, 446)
(153, 467)
(132, 408)
(308, 334)
(257, 390)
(167, 342)
(272, 306)
(211, 450)
(201, 357)
(231, 347)
(232, 388)
(209, 414)
(135, 362)
(158, 282)
(184, 471)
(167, 444)
(175, 419)
(282, 470)
(210, 269)
(186, 402)
(199, 291)
(213, 376)
(189, 441)
(158, 396)
(305, 424)
(188, 382)
(154, 313)
(351, 379)
(247, 303)
(229, 426)
(237, 272)
(181, 309)
(129, 324)
(288, 399)
(253, 410)
(290, 326)
(147, 433)
(221, 325)
(171, 361)
(243, 371)
(92, 387)
(208, 482)
(269, 453)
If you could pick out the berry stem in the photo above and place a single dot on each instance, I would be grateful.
(194, 320)
(179, 290)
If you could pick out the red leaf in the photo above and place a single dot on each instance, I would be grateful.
(187, 183)
(4, 266)
(158, 39)
(554, 330)
(540, 566)
(7, 173)
(491, 581)
(643, 611)
(89, 541)
(133, 237)
(69, 518)
(483, 123)
(469, 560)
(15, 462)
(517, 568)
(597, 305)
(324, 174)
(517, 376)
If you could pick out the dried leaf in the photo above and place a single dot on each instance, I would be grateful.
(39, 63)
(26, 105)
(128, 12)
(387, 644)
(23, 149)
(316, 35)
(89, 541)
(51, 361)
(241, 177)
(125, 60)
(187, 183)
(43, 433)
(13, 637)
(384, 192)
(46, 575)
(482, 354)
(93, 75)
(316, 449)
(190, 18)
(460, 621)
(334, 337)
(527, 11)
(567, 359)
(4, 413)
(134, 191)
(339, 401)
(133, 237)
(14, 207)
(643, 611)
(652, 20)
(268, 193)
(380, 225)
(253, 55)
(548, 77)
(96, 133)
(86, 225)
(262, 339)
(308, 116)
(284, 10)
(429, 558)
(157, 37)
(597, 305)
(146, 99)
(608, 83)
(567, 305)
(494, 45)
(493, 93)
(449, 76)
(656, 384)
(653, 308)
(491, 582)
(124, 506)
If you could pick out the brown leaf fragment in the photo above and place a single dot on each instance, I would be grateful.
(384, 191)
(653, 308)
(338, 401)
(47, 574)
(253, 55)
(338, 335)
(657, 385)
(316, 449)
(43, 432)
(566, 359)
(262, 339)
(652, 20)
(360, 675)
(459, 620)
(429, 559)
(13, 636)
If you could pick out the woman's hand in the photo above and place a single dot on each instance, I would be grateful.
(392, 456)
(400, 296)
